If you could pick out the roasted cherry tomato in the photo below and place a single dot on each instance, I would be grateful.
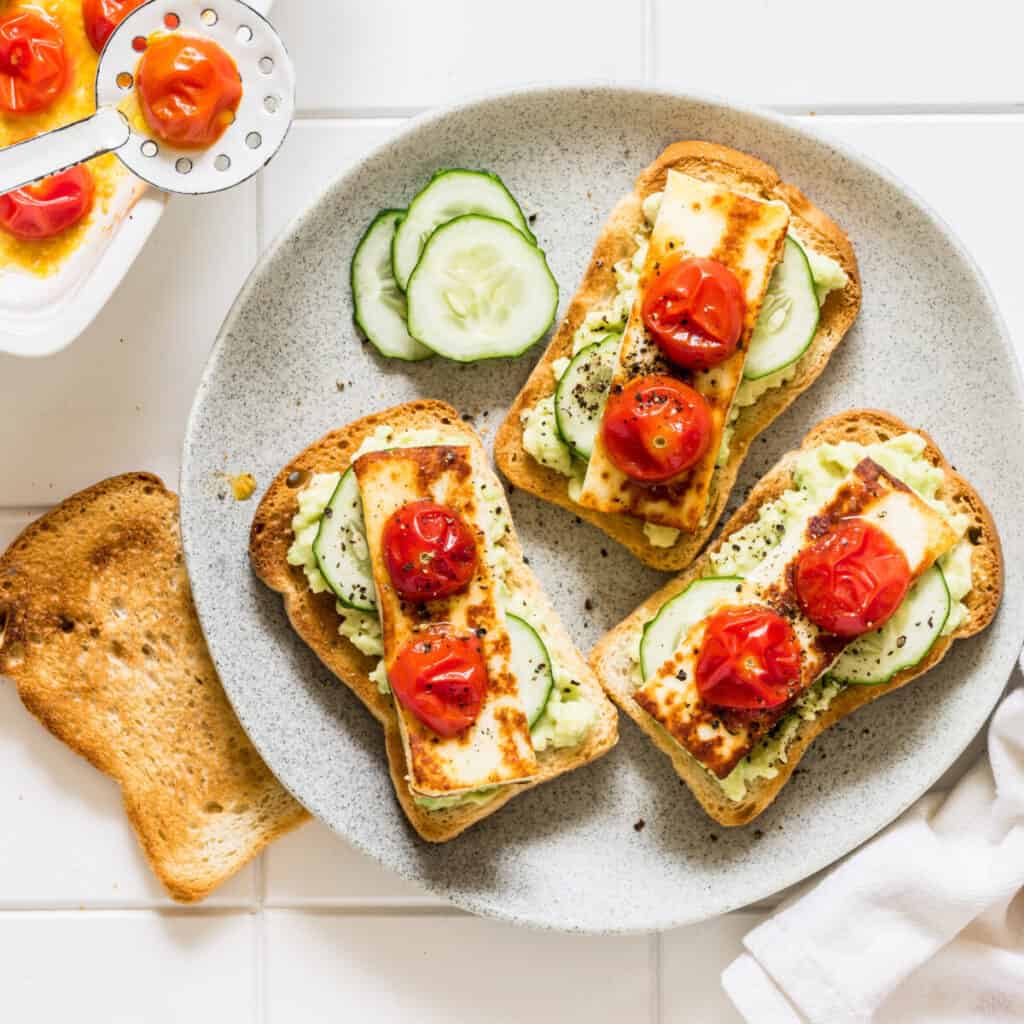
(749, 659)
(48, 207)
(189, 90)
(694, 310)
(103, 16)
(851, 579)
(441, 677)
(33, 61)
(656, 427)
(429, 550)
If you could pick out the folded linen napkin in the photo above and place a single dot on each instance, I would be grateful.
(924, 923)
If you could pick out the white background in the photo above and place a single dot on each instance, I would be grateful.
(313, 931)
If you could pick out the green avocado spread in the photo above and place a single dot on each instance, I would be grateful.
(816, 474)
(541, 438)
(567, 716)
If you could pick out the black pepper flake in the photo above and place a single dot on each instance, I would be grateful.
(638, 825)
(974, 534)
(532, 219)
(604, 552)
(588, 605)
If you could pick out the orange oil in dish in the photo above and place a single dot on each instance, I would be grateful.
(76, 101)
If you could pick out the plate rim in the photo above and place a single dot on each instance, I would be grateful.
(483, 906)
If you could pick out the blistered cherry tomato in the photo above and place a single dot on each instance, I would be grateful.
(429, 551)
(749, 659)
(189, 90)
(656, 427)
(441, 677)
(103, 16)
(694, 310)
(33, 61)
(48, 207)
(851, 579)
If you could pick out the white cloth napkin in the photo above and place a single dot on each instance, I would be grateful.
(924, 923)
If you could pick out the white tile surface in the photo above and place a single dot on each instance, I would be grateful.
(314, 154)
(118, 398)
(342, 938)
(692, 960)
(123, 968)
(439, 970)
(393, 55)
(801, 53)
(313, 867)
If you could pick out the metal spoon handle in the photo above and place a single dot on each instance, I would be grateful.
(54, 151)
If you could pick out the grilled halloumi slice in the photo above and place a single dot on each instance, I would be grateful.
(497, 748)
(718, 738)
(697, 219)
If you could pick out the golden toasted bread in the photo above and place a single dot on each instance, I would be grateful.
(315, 618)
(617, 241)
(612, 658)
(98, 631)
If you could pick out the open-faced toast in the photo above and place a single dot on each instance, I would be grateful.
(617, 242)
(98, 631)
(315, 618)
(614, 657)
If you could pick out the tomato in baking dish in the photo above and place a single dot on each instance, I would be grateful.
(103, 16)
(189, 89)
(749, 659)
(656, 427)
(441, 677)
(694, 310)
(33, 61)
(851, 579)
(429, 551)
(46, 208)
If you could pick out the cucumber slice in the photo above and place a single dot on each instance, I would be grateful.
(788, 318)
(340, 547)
(582, 392)
(531, 665)
(480, 291)
(904, 640)
(451, 194)
(379, 302)
(662, 635)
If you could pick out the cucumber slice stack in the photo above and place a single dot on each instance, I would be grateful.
(476, 285)
(340, 547)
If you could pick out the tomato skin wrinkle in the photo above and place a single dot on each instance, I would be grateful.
(33, 61)
(48, 207)
(440, 676)
(101, 17)
(749, 659)
(189, 89)
(656, 427)
(429, 551)
(850, 580)
(694, 310)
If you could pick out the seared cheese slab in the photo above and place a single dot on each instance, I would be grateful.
(720, 738)
(697, 219)
(496, 749)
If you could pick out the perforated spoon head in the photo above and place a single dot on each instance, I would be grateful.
(261, 121)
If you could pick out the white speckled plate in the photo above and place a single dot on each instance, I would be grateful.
(929, 346)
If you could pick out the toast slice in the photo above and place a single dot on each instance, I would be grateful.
(315, 619)
(98, 631)
(743, 173)
(612, 657)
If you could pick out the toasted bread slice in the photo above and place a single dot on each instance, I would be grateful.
(611, 659)
(98, 631)
(738, 171)
(315, 619)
